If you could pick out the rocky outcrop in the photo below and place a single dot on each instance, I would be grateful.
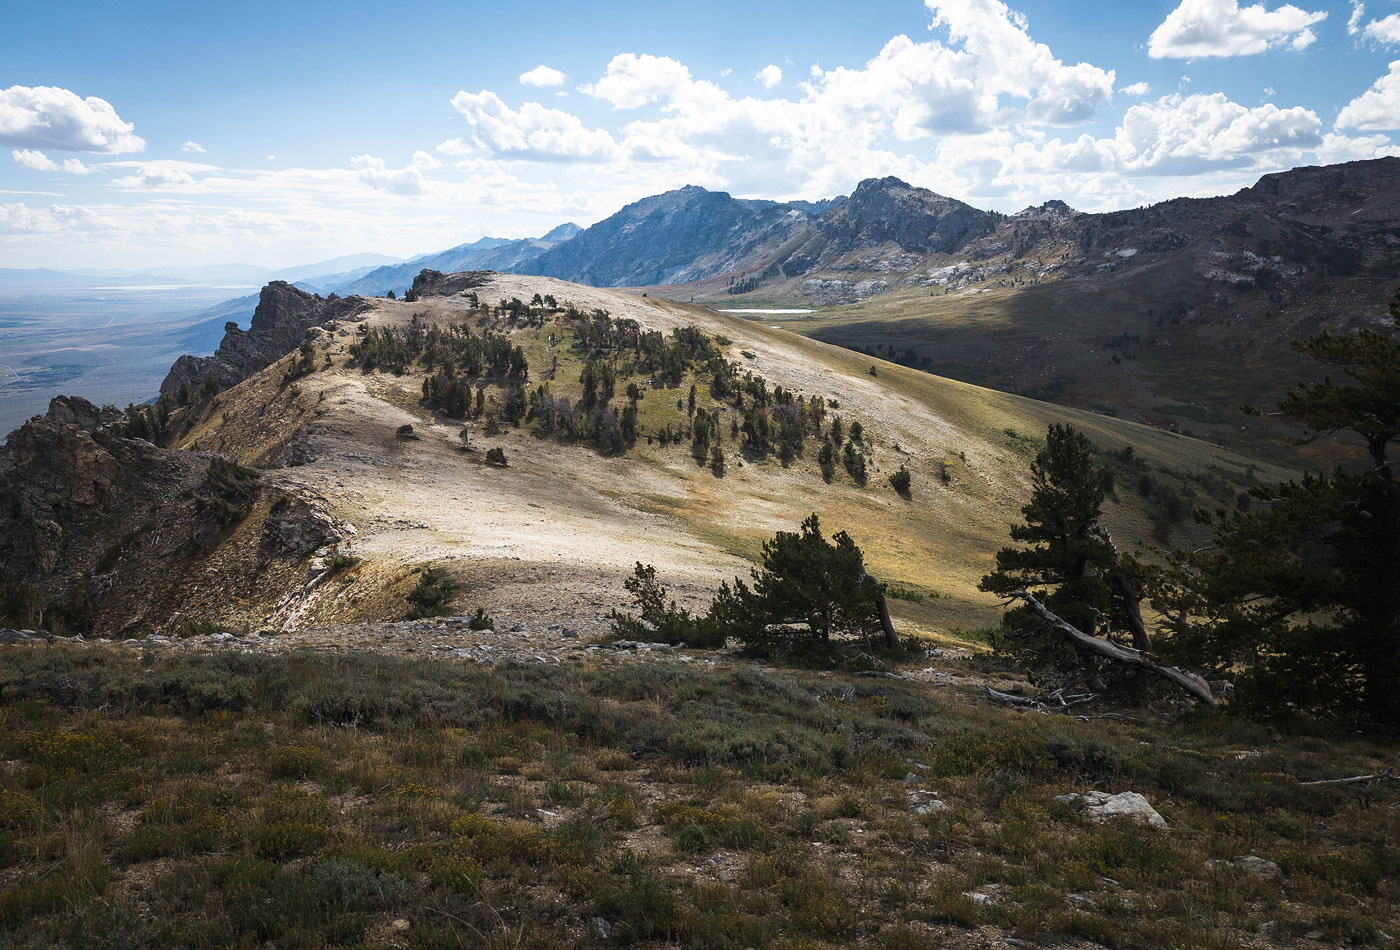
(65, 472)
(283, 315)
(431, 283)
(299, 527)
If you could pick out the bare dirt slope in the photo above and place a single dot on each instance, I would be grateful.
(554, 534)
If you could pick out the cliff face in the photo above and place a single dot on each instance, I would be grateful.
(283, 315)
(64, 474)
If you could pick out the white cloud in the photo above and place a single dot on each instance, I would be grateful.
(1342, 148)
(1198, 29)
(1136, 89)
(425, 161)
(51, 117)
(532, 132)
(632, 81)
(1187, 135)
(997, 40)
(543, 76)
(193, 147)
(74, 167)
(272, 158)
(159, 174)
(33, 160)
(769, 76)
(373, 172)
(1385, 31)
(1378, 108)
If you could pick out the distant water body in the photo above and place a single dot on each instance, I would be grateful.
(107, 344)
(767, 311)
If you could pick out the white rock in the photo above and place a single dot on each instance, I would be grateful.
(1101, 806)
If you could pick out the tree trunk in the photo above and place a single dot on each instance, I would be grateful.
(1132, 605)
(1190, 682)
(891, 638)
(1123, 585)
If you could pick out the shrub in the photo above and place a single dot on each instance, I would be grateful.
(229, 489)
(900, 481)
(660, 620)
(480, 621)
(430, 598)
(496, 456)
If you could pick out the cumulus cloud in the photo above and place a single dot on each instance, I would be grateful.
(1191, 134)
(51, 117)
(1385, 31)
(769, 76)
(1378, 108)
(193, 147)
(542, 76)
(425, 161)
(374, 172)
(34, 160)
(632, 81)
(1198, 29)
(531, 132)
(1137, 89)
(74, 167)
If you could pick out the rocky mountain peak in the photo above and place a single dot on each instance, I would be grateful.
(562, 233)
(283, 315)
(884, 210)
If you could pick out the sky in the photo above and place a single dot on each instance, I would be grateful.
(174, 134)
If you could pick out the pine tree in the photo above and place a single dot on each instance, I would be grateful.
(1068, 552)
(1299, 598)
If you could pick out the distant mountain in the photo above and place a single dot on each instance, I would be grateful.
(336, 267)
(498, 254)
(562, 233)
(38, 278)
(684, 235)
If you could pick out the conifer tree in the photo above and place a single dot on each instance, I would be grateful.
(1067, 552)
(1299, 598)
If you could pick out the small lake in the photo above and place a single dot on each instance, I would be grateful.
(767, 311)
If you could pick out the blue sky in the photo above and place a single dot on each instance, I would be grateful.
(147, 134)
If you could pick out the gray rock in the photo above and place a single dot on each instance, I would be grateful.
(1101, 806)
(1250, 864)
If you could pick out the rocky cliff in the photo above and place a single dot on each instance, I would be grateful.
(63, 474)
(283, 315)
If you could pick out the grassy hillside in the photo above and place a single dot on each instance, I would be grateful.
(565, 520)
(361, 800)
(1157, 344)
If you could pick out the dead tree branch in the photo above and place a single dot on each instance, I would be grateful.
(1190, 682)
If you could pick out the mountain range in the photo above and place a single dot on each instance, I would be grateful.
(1173, 314)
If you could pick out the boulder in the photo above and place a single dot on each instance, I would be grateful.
(1101, 806)
(300, 528)
(1250, 864)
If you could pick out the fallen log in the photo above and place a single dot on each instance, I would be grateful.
(1190, 682)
